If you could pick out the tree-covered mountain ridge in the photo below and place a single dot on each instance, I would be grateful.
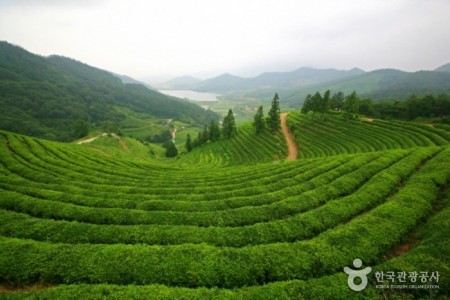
(266, 81)
(47, 96)
(296, 85)
(384, 84)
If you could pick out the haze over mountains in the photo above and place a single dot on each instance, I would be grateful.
(46, 96)
(295, 85)
(227, 82)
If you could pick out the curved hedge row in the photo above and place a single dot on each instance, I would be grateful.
(245, 148)
(297, 227)
(335, 135)
(71, 215)
(427, 255)
(202, 265)
(349, 177)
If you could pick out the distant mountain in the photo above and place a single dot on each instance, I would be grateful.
(179, 83)
(266, 83)
(129, 80)
(444, 68)
(382, 84)
(222, 83)
(294, 86)
(301, 77)
(47, 96)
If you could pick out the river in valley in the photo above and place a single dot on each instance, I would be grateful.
(191, 95)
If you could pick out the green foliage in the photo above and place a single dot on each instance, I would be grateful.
(106, 220)
(171, 149)
(230, 232)
(335, 135)
(427, 106)
(44, 97)
(351, 104)
(273, 121)
(214, 131)
(317, 104)
(80, 129)
(307, 105)
(229, 126)
(111, 127)
(188, 143)
(414, 107)
(382, 84)
(337, 101)
(240, 150)
(259, 121)
(161, 137)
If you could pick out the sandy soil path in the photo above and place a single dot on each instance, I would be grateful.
(292, 146)
(89, 140)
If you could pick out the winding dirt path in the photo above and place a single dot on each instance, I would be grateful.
(89, 140)
(292, 146)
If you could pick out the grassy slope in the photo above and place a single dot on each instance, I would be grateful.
(216, 219)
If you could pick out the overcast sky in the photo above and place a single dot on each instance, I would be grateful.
(160, 39)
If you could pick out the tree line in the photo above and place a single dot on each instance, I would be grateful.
(213, 132)
(428, 106)
(272, 121)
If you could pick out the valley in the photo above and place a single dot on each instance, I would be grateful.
(259, 200)
(225, 220)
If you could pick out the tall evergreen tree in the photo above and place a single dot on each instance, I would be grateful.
(274, 120)
(189, 146)
(337, 101)
(316, 99)
(199, 140)
(229, 125)
(259, 123)
(214, 131)
(205, 135)
(324, 103)
(307, 105)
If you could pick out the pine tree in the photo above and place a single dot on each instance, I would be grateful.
(337, 101)
(205, 135)
(316, 99)
(188, 143)
(307, 105)
(324, 103)
(274, 121)
(260, 123)
(229, 125)
(214, 131)
(199, 140)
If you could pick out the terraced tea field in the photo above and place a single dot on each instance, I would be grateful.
(225, 221)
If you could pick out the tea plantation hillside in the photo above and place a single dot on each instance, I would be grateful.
(246, 148)
(225, 221)
(336, 135)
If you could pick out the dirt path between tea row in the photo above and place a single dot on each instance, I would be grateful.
(292, 146)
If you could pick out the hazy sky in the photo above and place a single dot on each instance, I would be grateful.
(160, 39)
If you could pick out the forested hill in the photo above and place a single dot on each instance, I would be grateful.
(383, 84)
(46, 96)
